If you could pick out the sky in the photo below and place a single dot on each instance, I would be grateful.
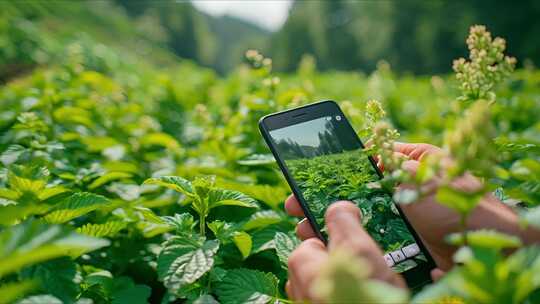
(305, 133)
(269, 14)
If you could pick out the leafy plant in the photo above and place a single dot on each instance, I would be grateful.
(189, 263)
(203, 196)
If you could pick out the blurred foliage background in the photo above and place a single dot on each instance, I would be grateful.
(98, 96)
(413, 36)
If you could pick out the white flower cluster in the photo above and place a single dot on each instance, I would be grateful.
(487, 65)
(257, 60)
(471, 143)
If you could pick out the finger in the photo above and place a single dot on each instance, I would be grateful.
(289, 289)
(345, 231)
(410, 166)
(292, 206)
(304, 230)
(400, 155)
(380, 165)
(467, 183)
(437, 274)
(396, 155)
(304, 265)
(368, 143)
(343, 224)
(416, 151)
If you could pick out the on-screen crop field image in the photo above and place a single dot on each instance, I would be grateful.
(328, 166)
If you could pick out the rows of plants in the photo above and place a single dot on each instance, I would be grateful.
(125, 183)
(350, 176)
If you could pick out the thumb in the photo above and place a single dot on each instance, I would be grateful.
(343, 224)
(345, 231)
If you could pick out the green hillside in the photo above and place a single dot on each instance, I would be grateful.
(161, 32)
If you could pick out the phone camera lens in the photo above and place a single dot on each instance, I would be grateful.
(338, 118)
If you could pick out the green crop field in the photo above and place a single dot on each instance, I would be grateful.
(129, 175)
(350, 176)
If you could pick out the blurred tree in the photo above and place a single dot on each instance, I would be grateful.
(187, 34)
(414, 35)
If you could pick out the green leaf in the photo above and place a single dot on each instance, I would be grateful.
(108, 177)
(263, 239)
(183, 261)
(183, 223)
(26, 187)
(11, 154)
(526, 169)
(258, 160)
(148, 222)
(159, 139)
(206, 299)
(76, 115)
(12, 214)
(126, 191)
(74, 206)
(529, 217)
(247, 286)
(40, 299)
(527, 191)
(133, 294)
(117, 290)
(33, 242)
(121, 166)
(284, 245)
(486, 239)
(14, 290)
(243, 242)
(222, 230)
(222, 197)
(108, 229)
(8, 194)
(386, 293)
(175, 183)
(518, 145)
(148, 215)
(525, 261)
(440, 290)
(270, 195)
(461, 202)
(52, 191)
(98, 143)
(57, 277)
(262, 219)
(425, 171)
(217, 274)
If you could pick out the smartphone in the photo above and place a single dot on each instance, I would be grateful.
(324, 161)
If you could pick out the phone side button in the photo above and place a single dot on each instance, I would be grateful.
(397, 256)
(388, 260)
(411, 250)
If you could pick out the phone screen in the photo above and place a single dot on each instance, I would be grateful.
(326, 162)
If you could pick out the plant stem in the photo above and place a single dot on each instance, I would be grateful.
(202, 224)
(463, 224)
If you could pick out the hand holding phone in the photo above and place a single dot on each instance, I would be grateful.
(345, 231)
(323, 161)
